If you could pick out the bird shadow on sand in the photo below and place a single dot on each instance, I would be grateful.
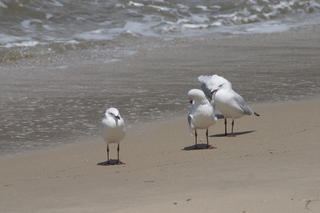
(235, 134)
(110, 163)
(200, 147)
(219, 116)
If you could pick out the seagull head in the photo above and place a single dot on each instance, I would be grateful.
(220, 83)
(113, 112)
(196, 95)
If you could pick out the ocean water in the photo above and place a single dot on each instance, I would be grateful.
(34, 27)
(55, 56)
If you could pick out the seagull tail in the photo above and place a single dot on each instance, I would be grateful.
(256, 114)
(204, 78)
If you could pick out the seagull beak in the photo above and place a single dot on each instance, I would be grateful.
(117, 117)
(213, 91)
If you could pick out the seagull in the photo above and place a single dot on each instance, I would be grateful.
(201, 114)
(225, 99)
(113, 130)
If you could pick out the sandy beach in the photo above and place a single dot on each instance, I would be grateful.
(272, 165)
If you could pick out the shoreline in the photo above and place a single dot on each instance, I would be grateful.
(272, 165)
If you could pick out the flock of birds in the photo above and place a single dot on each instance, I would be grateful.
(216, 93)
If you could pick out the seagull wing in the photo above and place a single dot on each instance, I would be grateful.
(191, 127)
(242, 104)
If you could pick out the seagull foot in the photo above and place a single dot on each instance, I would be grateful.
(119, 163)
(211, 147)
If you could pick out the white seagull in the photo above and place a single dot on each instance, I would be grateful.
(113, 130)
(201, 114)
(225, 99)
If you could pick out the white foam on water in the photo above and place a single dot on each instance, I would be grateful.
(3, 5)
(99, 34)
(131, 3)
(23, 44)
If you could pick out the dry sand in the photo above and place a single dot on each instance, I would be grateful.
(271, 166)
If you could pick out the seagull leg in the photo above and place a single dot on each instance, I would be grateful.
(207, 139)
(107, 152)
(108, 161)
(208, 146)
(118, 150)
(196, 138)
(232, 135)
(225, 127)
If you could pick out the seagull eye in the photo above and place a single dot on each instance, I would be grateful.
(220, 85)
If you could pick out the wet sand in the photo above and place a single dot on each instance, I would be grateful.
(47, 104)
(271, 166)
